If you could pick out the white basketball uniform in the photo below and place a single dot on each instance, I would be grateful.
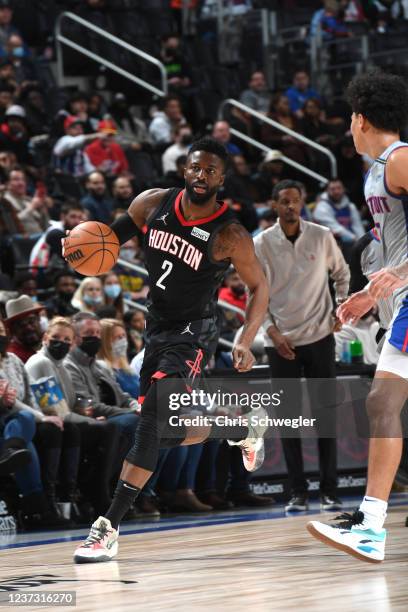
(390, 214)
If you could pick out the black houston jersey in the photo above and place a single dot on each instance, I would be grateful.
(183, 278)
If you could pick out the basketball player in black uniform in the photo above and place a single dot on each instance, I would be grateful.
(191, 240)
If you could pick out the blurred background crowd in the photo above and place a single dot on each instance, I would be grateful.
(83, 148)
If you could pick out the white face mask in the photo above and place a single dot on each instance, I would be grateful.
(44, 323)
(119, 347)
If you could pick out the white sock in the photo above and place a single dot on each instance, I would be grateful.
(375, 512)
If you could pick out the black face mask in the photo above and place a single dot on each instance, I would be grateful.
(186, 139)
(66, 296)
(58, 349)
(238, 291)
(90, 345)
(4, 340)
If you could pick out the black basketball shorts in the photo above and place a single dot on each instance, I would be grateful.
(176, 349)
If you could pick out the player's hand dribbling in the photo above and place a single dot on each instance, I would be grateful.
(243, 359)
(63, 244)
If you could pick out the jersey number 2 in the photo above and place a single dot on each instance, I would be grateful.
(167, 266)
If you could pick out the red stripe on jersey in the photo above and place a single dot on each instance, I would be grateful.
(405, 345)
(180, 217)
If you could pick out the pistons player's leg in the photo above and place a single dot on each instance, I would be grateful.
(362, 534)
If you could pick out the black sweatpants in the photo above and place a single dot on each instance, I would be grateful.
(315, 360)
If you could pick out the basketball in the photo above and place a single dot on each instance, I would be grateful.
(91, 248)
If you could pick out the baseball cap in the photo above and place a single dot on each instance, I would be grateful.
(108, 126)
(70, 121)
(273, 155)
(15, 111)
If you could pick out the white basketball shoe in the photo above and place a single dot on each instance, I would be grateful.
(351, 537)
(253, 447)
(101, 544)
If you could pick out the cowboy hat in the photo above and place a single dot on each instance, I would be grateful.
(20, 307)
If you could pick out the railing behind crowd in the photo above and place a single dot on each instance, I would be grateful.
(61, 39)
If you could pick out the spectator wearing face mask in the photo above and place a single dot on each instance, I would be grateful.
(93, 380)
(183, 137)
(89, 295)
(113, 353)
(65, 287)
(99, 439)
(113, 294)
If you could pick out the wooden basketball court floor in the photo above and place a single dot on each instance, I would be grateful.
(241, 560)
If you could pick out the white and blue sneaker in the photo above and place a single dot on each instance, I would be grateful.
(253, 447)
(351, 537)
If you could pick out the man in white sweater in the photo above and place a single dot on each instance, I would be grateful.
(297, 257)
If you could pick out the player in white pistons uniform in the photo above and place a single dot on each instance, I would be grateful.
(380, 110)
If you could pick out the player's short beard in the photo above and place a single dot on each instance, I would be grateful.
(200, 198)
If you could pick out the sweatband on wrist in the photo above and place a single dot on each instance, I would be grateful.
(125, 228)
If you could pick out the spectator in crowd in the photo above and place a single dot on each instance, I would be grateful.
(113, 294)
(14, 135)
(279, 111)
(78, 106)
(24, 68)
(299, 333)
(221, 132)
(183, 138)
(69, 156)
(300, 92)
(134, 321)
(239, 192)
(96, 108)
(14, 454)
(99, 438)
(132, 131)
(91, 379)
(19, 454)
(176, 68)
(26, 284)
(270, 174)
(233, 293)
(257, 96)
(64, 289)
(98, 202)
(312, 125)
(351, 169)
(267, 219)
(6, 26)
(134, 284)
(55, 446)
(6, 99)
(113, 353)
(7, 75)
(175, 178)
(335, 211)
(89, 295)
(165, 121)
(330, 21)
(177, 480)
(46, 252)
(106, 154)
(20, 212)
(37, 116)
(23, 324)
(123, 193)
